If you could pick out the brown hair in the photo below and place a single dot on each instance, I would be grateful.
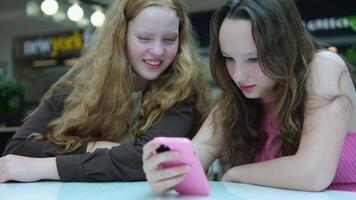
(284, 49)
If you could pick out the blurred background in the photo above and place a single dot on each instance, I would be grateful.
(41, 39)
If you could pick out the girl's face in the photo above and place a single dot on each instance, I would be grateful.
(239, 50)
(152, 42)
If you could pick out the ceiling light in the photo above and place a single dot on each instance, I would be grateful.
(32, 8)
(75, 12)
(97, 18)
(49, 7)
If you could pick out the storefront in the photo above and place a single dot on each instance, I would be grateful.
(41, 60)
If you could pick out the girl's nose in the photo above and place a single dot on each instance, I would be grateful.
(240, 74)
(157, 49)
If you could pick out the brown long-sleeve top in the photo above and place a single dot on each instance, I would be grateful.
(120, 163)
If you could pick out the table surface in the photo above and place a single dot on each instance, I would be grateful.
(54, 190)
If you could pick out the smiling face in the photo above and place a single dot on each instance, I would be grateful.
(239, 51)
(152, 42)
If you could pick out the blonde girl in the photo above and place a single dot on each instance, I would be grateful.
(141, 78)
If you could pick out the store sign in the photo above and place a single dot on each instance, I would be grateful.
(327, 24)
(55, 46)
(330, 24)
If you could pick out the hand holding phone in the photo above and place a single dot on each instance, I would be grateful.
(195, 181)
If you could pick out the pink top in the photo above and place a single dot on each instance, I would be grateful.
(345, 177)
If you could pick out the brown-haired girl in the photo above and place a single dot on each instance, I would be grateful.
(286, 115)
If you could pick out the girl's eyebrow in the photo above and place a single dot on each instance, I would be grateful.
(252, 53)
(172, 34)
(149, 33)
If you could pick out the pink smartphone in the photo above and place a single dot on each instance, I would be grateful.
(195, 182)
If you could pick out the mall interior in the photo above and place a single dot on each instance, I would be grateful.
(39, 44)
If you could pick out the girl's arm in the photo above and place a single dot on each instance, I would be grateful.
(27, 169)
(120, 163)
(50, 108)
(326, 118)
(206, 148)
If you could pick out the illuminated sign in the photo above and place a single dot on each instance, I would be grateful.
(327, 24)
(55, 46)
(332, 23)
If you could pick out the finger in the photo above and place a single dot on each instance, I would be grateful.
(152, 166)
(148, 149)
(169, 173)
(162, 186)
(156, 160)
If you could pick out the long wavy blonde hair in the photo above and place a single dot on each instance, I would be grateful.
(100, 103)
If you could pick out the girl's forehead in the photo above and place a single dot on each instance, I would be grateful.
(235, 37)
(156, 12)
(155, 18)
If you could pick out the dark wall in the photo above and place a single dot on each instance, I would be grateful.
(309, 9)
(4, 137)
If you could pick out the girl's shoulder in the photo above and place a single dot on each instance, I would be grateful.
(328, 74)
(327, 61)
(57, 96)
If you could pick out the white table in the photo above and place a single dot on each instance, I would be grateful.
(140, 190)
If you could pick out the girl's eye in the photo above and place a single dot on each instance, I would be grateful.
(144, 38)
(228, 59)
(252, 60)
(170, 39)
